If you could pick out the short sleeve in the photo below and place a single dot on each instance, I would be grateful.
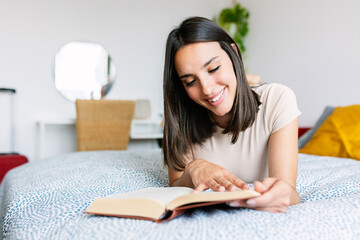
(282, 107)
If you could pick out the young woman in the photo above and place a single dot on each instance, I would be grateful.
(220, 133)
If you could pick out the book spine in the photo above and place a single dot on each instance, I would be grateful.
(172, 214)
(180, 210)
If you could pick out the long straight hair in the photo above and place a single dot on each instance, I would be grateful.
(186, 122)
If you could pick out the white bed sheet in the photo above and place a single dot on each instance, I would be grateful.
(46, 200)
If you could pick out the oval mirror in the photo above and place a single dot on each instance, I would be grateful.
(83, 70)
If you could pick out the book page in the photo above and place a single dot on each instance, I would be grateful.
(163, 195)
(211, 197)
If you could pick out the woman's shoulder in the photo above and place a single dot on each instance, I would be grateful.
(278, 105)
(271, 87)
(272, 90)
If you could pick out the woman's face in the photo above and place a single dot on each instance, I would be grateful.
(207, 74)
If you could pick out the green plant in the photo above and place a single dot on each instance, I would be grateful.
(235, 22)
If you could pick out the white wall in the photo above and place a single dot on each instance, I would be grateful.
(311, 46)
(134, 32)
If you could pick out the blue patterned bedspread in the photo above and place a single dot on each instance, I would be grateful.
(46, 199)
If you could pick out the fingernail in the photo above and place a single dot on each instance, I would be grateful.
(233, 204)
(251, 202)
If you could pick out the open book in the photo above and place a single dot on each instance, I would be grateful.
(161, 204)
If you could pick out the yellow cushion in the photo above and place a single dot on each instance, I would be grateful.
(338, 136)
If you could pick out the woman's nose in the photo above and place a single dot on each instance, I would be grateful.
(207, 86)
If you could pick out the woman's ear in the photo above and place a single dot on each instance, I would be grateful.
(235, 48)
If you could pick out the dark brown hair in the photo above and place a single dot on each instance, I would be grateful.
(186, 122)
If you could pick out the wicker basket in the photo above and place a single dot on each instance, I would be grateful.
(103, 124)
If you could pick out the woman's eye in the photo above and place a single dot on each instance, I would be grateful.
(214, 69)
(190, 83)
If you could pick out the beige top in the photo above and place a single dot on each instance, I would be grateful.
(247, 158)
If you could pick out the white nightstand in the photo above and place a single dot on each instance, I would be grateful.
(144, 134)
(41, 132)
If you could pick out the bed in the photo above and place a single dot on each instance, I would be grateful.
(46, 199)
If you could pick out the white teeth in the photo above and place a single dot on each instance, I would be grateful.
(217, 97)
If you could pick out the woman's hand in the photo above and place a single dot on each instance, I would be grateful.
(276, 196)
(206, 175)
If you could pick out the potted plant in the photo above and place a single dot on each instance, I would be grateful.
(235, 22)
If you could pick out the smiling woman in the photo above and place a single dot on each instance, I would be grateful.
(219, 132)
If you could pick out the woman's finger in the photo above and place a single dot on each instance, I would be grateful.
(260, 187)
(266, 199)
(216, 186)
(226, 183)
(276, 195)
(243, 203)
(268, 182)
(237, 203)
(237, 181)
(201, 187)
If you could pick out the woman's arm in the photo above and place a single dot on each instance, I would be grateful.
(279, 190)
(283, 157)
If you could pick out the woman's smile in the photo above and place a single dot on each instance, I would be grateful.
(217, 99)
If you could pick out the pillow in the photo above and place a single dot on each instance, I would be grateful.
(305, 138)
(338, 136)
